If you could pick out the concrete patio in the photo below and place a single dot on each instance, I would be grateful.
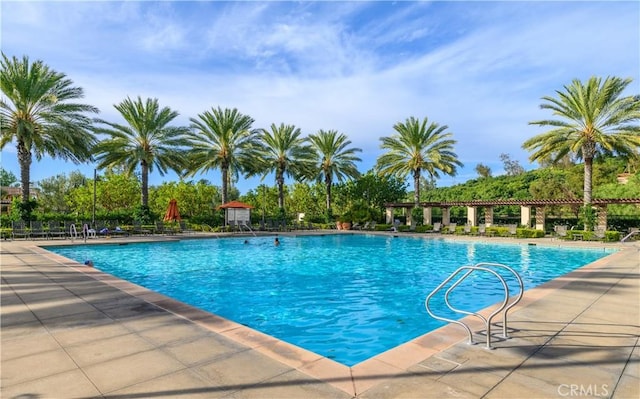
(70, 331)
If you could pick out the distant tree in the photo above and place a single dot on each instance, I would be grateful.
(223, 140)
(115, 192)
(264, 199)
(303, 199)
(7, 178)
(146, 141)
(335, 159)
(511, 167)
(377, 190)
(418, 147)
(284, 152)
(593, 118)
(483, 170)
(38, 111)
(194, 199)
(53, 191)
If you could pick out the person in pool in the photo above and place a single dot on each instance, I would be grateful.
(276, 242)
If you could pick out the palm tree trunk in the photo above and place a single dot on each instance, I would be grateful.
(225, 182)
(416, 186)
(145, 183)
(327, 181)
(280, 180)
(588, 167)
(24, 159)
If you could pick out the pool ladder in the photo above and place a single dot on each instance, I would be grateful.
(504, 308)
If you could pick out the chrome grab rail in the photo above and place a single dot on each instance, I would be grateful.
(248, 226)
(504, 308)
(631, 234)
(73, 233)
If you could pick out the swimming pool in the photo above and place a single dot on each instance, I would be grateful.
(346, 297)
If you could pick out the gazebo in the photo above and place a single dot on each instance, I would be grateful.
(236, 213)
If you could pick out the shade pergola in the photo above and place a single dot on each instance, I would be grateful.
(237, 212)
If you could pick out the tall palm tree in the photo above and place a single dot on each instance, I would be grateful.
(284, 153)
(416, 147)
(335, 159)
(593, 118)
(223, 140)
(146, 141)
(38, 111)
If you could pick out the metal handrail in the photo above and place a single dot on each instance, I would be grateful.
(504, 308)
(631, 234)
(248, 226)
(515, 302)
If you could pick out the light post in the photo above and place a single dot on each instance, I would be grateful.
(93, 217)
(264, 201)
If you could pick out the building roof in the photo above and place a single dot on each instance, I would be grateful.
(235, 204)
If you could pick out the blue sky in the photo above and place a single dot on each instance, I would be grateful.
(358, 67)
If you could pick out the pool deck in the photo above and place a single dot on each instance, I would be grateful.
(71, 331)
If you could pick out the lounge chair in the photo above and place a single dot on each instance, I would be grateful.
(37, 230)
(482, 229)
(451, 228)
(372, 225)
(412, 226)
(55, 230)
(116, 231)
(437, 228)
(162, 229)
(138, 229)
(282, 225)
(599, 233)
(184, 229)
(100, 229)
(467, 229)
(310, 226)
(513, 230)
(19, 229)
(561, 231)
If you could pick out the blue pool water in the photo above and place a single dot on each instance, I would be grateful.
(346, 297)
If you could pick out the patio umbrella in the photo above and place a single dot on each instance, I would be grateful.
(172, 213)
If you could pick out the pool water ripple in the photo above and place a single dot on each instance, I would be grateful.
(345, 297)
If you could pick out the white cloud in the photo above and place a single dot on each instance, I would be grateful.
(480, 68)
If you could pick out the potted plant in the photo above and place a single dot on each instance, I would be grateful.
(344, 221)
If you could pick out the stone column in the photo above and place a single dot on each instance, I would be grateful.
(488, 216)
(426, 216)
(446, 216)
(389, 216)
(525, 216)
(601, 216)
(540, 216)
(472, 216)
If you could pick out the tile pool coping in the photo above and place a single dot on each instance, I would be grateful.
(350, 380)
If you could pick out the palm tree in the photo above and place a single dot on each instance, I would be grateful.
(224, 140)
(335, 158)
(38, 111)
(418, 147)
(284, 153)
(593, 119)
(145, 141)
